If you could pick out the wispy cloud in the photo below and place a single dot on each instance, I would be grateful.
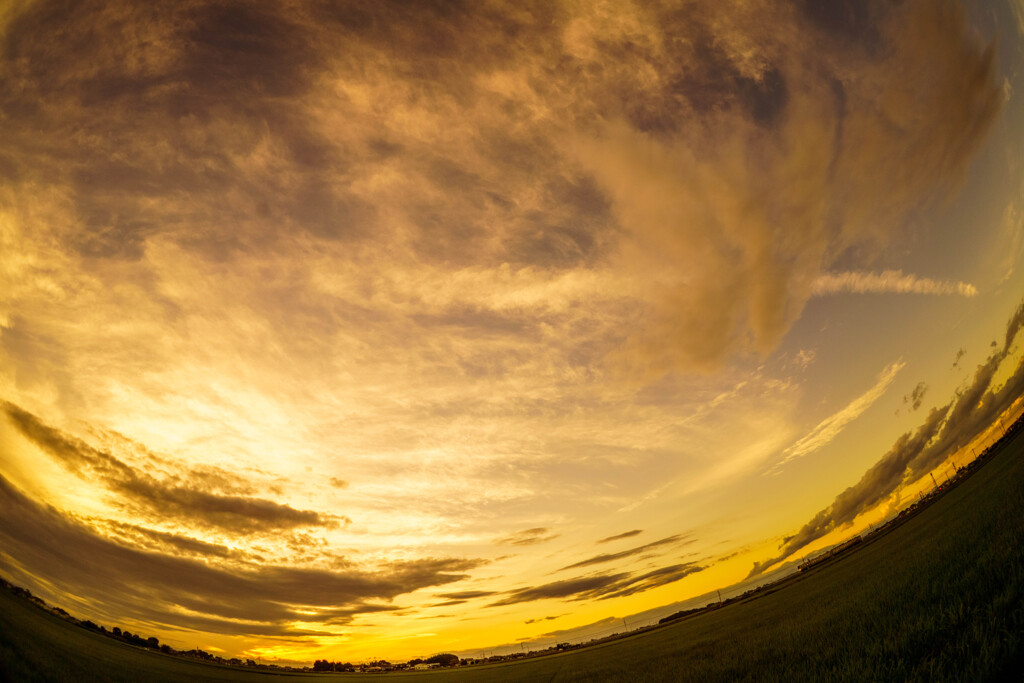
(916, 397)
(602, 586)
(915, 453)
(466, 595)
(539, 619)
(888, 281)
(528, 537)
(678, 540)
(876, 484)
(624, 534)
(830, 427)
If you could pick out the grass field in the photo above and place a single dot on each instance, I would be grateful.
(940, 598)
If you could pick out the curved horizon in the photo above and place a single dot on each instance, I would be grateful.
(385, 330)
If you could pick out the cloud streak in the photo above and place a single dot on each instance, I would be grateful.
(624, 534)
(830, 427)
(601, 586)
(603, 558)
(888, 282)
(528, 537)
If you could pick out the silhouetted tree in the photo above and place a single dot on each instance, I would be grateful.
(445, 659)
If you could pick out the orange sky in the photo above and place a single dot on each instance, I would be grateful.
(382, 330)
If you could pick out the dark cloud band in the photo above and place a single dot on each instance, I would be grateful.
(38, 541)
(189, 504)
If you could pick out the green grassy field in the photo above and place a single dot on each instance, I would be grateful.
(940, 598)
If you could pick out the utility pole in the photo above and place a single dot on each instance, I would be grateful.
(719, 595)
(933, 479)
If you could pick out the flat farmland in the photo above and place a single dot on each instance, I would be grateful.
(939, 598)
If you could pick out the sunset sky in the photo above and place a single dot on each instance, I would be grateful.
(350, 330)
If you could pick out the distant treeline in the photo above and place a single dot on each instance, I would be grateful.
(126, 636)
(445, 659)
(152, 643)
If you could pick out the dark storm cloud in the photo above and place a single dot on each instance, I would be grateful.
(914, 454)
(600, 587)
(528, 537)
(155, 586)
(610, 557)
(169, 497)
(624, 534)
